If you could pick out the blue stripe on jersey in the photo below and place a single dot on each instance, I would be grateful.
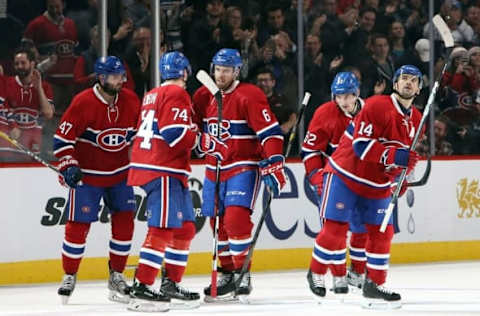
(130, 135)
(272, 131)
(330, 149)
(175, 256)
(329, 257)
(73, 250)
(235, 129)
(122, 248)
(350, 129)
(172, 134)
(89, 136)
(360, 146)
(59, 144)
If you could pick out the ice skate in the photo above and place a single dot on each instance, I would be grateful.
(340, 285)
(316, 283)
(379, 297)
(243, 289)
(181, 298)
(144, 299)
(118, 289)
(355, 279)
(225, 289)
(67, 287)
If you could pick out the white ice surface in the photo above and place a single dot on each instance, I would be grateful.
(426, 289)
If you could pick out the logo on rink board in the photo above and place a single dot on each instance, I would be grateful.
(468, 198)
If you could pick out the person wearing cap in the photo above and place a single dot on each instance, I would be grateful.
(92, 144)
(160, 164)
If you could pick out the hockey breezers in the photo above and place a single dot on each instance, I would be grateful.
(266, 206)
(447, 38)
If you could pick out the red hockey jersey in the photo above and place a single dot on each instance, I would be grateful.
(382, 123)
(249, 128)
(323, 135)
(98, 135)
(166, 135)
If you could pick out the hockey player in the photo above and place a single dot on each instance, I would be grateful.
(92, 144)
(254, 141)
(326, 127)
(358, 176)
(161, 165)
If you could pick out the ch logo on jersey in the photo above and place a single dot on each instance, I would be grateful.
(65, 47)
(25, 118)
(225, 126)
(112, 139)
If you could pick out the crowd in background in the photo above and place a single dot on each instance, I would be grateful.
(371, 38)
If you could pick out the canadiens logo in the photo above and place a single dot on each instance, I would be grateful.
(225, 126)
(113, 139)
(85, 209)
(25, 117)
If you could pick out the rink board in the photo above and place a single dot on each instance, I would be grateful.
(438, 222)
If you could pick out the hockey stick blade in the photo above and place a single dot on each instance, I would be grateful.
(207, 81)
(424, 179)
(444, 31)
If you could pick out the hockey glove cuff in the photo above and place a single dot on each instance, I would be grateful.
(71, 173)
(400, 157)
(211, 145)
(316, 180)
(273, 174)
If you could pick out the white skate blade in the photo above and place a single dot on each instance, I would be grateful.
(137, 305)
(176, 304)
(379, 304)
(114, 296)
(244, 299)
(64, 299)
(227, 298)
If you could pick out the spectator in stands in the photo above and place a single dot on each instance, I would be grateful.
(29, 99)
(84, 75)
(279, 104)
(275, 23)
(316, 70)
(442, 146)
(55, 36)
(204, 37)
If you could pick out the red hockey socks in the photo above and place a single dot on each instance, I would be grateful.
(239, 228)
(378, 252)
(224, 255)
(357, 252)
(121, 241)
(74, 245)
(176, 254)
(330, 249)
(152, 253)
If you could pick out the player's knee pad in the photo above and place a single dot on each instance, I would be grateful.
(237, 221)
(379, 242)
(158, 238)
(183, 236)
(76, 232)
(333, 233)
(122, 225)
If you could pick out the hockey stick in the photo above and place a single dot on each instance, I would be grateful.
(266, 207)
(423, 180)
(447, 38)
(207, 81)
(28, 152)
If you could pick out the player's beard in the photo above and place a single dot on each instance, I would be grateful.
(23, 73)
(110, 89)
(406, 96)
